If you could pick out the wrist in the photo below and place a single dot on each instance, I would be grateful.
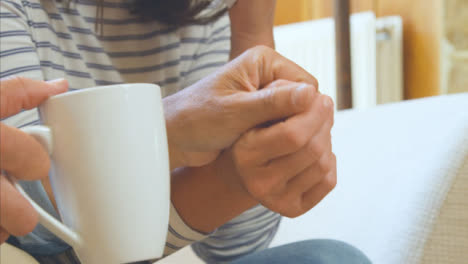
(259, 38)
(204, 201)
(242, 41)
(251, 25)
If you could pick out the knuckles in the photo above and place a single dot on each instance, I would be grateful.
(292, 209)
(263, 183)
(257, 54)
(325, 163)
(243, 151)
(16, 81)
(295, 206)
(257, 189)
(259, 50)
(329, 180)
(294, 138)
(316, 147)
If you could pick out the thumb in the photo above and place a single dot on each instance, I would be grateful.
(279, 100)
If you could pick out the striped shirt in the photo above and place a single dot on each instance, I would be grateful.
(45, 40)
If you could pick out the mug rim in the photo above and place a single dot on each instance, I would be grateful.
(96, 89)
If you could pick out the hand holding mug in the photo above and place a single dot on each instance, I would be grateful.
(20, 154)
(110, 173)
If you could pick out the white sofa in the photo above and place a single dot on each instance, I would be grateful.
(402, 193)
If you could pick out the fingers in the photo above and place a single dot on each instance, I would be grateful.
(280, 100)
(282, 68)
(295, 163)
(21, 155)
(306, 189)
(312, 176)
(270, 66)
(21, 93)
(289, 167)
(17, 215)
(289, 136)
(316, 194)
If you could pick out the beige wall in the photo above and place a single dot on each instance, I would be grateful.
(422, 35)
(290, 11)
(455, 55)
(435, 38)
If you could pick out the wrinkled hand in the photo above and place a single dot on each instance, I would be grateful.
(20, 154)
(288, 166)
(210, 115)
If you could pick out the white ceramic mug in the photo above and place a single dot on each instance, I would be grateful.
(110, 171)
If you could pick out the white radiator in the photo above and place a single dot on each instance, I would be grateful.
(376, 58)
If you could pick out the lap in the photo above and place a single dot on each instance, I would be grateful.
(320, 251)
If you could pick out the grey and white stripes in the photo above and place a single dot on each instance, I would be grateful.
(251, 231)
(44, 39)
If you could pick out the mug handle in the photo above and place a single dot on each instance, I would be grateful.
(44, 135)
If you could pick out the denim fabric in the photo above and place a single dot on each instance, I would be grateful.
(41, 241)
(319, 251)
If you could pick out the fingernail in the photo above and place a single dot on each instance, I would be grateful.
(58, 84)
(55, 81)
(327, 102)
(300, 94)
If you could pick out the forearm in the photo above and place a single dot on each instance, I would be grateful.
(204, 201)
(251, 25)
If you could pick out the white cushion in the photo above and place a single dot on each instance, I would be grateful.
(396, 168)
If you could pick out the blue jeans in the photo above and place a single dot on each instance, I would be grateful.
(320, 251)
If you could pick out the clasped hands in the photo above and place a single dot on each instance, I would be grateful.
(262, 123)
